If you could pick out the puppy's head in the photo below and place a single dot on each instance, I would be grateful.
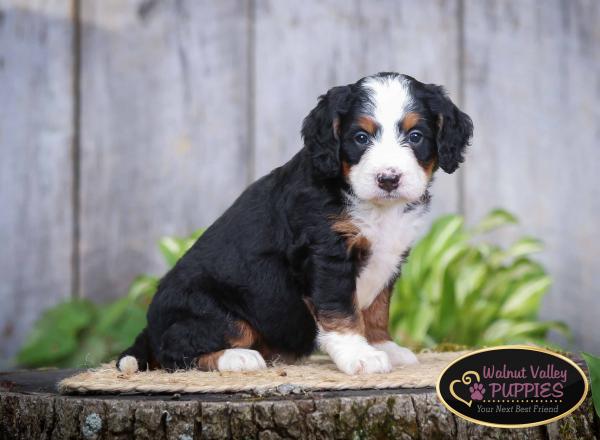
(385, 136)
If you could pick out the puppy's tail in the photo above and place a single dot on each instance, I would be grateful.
(136, 357)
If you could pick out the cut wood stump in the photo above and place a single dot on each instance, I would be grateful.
(30, 408)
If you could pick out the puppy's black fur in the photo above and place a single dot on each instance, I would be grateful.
(272, 260)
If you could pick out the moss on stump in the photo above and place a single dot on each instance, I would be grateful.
(31, 410)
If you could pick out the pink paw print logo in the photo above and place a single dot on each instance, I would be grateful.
(477, 391)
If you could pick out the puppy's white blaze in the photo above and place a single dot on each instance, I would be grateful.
(398, 355)
(352, 354)
(390, 232)
(128, 365)
(391, 101)
(240, 359)
(391, 97)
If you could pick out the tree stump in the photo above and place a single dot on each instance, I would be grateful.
(30, 408)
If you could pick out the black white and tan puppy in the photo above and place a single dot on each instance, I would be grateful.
(306, 257)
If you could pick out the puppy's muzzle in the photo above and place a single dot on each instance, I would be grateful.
(388, 180)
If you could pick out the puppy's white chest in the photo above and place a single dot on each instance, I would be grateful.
(390, 232)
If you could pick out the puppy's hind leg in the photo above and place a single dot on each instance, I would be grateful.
(210, 344)
(232, 359)
(240, 357)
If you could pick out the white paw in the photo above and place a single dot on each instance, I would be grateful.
(398, 355)
(365, 362)
(128, 365)
(352, 354)
(240, 359)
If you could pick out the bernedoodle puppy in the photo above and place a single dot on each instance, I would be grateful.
(307, 256)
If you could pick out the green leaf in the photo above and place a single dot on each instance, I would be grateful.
(469, 280)
(196, 235)
(525, 299)
(524, 246)
(506, 330)
(521, 248)
(494, 220)
(143, 288)
(442, 234)
(593, 364)
(171, 248)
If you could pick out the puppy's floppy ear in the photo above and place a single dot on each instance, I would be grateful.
(320, 132)
(455, 129)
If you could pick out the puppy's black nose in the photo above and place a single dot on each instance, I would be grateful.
(388, 180)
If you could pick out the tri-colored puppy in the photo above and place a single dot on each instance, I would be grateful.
(307, 255)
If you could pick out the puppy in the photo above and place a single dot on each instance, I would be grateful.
(308, 254)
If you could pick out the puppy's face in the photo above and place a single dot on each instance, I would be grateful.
(388, 146)
(385, 136)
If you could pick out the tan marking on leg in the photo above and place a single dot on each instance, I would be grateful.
(342, 323)
(209, 361)
(246, 336)
(376, 318)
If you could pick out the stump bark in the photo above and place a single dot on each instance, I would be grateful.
(30, 408)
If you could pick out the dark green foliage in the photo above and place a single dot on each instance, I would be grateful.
(79, 333)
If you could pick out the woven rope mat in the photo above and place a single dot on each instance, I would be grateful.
(317, 373)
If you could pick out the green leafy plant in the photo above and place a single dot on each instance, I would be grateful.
(78, 332)
(593, 364)
(456, 288)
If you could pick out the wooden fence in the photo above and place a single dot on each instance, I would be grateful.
(125, 120)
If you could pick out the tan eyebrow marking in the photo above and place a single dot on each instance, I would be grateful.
(367, 124)
(410, 120)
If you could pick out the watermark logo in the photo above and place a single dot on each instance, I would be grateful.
(512, 386)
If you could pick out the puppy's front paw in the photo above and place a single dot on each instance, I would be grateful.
(352, 354)
(365, 362)
(241, 359)
(398, 355)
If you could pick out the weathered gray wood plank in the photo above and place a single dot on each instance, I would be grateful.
(532, 86)
(304, 48)
(36, 131)
(164, 129)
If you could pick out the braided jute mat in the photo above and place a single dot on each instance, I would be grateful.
(316, 373)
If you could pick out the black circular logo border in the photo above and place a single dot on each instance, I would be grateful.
(528, 348)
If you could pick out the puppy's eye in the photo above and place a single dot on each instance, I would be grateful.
(415, 137)
(361, 138)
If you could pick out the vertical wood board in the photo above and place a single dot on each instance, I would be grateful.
(164, 129)
(36, 135)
